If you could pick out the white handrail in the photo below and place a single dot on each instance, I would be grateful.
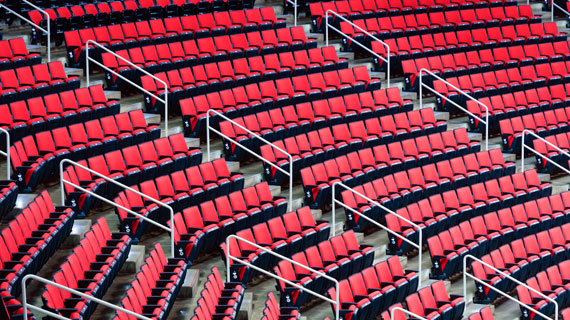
(411, 314)
(294, 3)
(465, 275)
(257, 136)
(552, 5)
(26, 306)
(48, 31)
(523, 146)
(171, 230)
(271, 252)
(164, 101)
(376, 203)
(486, 122)
(387, 60)
(7, 153)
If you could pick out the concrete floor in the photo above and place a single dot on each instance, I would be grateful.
(183, 308)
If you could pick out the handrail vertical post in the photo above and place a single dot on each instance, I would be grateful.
(48, 31)
(376, 223)
(256, 136)
(25, 305)
(523, 146)
(387, 59)
(409, 313)
(230, 258)
(90, 59)
(170, 229)
(7, 153)
(327, 28)
(466, 274)
(208, 136)
(421, 90)
(422, 84)
(295, 11)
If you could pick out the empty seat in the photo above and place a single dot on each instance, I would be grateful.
(328, 257)
(31, 238)
(287, 235)
(54, 110)
(101, 252)
(159, 277)
(74, 142)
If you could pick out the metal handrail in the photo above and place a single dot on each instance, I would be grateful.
(26, 306)
(376, 203)
(48, 31)
(171, 230)
(7, 153)
(552, 5)
(271, 252)
(409, 313)
(523, 146)
(387, 60)
(257, 136)
(526, 306)
(294, 3)
(165, 100)
(422, 84)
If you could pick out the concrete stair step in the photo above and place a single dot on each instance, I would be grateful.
(275, 190)
(475, 136)
(306, 27)
(338, 226)
(36, 48)
(214, 154)
(491, 144)
(113, 95)
(171, 129)
(380, 254)
(510, 156)
(78, 231)
(317, 214)
(252, 179)
(560, 184)
(319, 36)
(233, 166)
(193, 142)
(439, 115)
(377, 75)
(544, 177)
(537, 8)
(93, 81)
(346, 55)
(559, 188)
(152, 118)
(452, 125)
(131, 106)
(24, 199)
(336, 44)
(73, 72)
(297, 203)
(424, 105)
